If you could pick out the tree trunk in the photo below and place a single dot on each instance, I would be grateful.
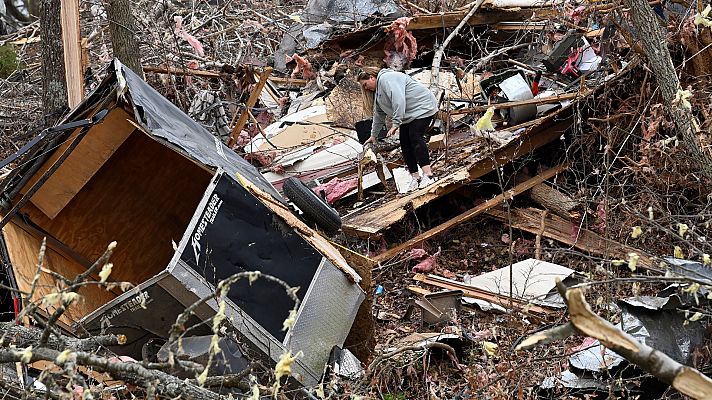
(550, 198)
(123, 34)
(54, 87)
(653, 38)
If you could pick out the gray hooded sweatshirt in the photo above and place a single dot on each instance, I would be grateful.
(402, 98)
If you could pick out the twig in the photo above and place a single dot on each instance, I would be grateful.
(437, 59)
(425, 346)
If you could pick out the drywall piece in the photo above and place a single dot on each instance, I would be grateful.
(532, 280)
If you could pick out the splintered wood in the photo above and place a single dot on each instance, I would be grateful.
(568, 232)
(471, 291)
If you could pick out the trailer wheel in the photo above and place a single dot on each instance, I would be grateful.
(313, 207)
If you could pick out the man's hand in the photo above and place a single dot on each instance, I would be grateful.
(370, 139)
(392, 131)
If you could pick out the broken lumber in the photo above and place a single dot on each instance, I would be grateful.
(510, 104)
(256, 91)
(288, 81)
(466, 216)
(381, 216)
(486, 17)
(570, 233)
(476, 293)
(71, 40)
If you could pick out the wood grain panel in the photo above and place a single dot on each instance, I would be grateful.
(143, 197)
(93, 151)
(24, 248)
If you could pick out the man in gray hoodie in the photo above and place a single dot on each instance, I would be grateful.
(411, 107)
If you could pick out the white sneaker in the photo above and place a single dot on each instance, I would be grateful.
(413, 185)
(426, 181)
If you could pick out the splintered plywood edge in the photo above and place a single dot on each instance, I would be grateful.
(95, 149)
(23, 250)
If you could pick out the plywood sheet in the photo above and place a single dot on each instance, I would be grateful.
(94, 150)
(143, 198)
(23, 248)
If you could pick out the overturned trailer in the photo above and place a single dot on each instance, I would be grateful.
(148, 177)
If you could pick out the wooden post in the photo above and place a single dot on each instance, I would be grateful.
(71, 40)
(250, 102)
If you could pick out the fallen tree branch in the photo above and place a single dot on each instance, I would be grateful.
(686, 380)
(486, 59)
(133, 373)
(22, 336)
(437, 59)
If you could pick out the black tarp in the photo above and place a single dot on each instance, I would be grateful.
(163, 119)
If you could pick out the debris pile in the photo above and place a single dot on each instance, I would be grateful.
(263, 245)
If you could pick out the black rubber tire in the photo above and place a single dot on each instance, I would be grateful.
(313, 207)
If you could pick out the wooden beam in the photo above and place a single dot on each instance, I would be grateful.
(185, 71)
(483, 17)
(71, 40)
(567, 232)
(477, 293)
(522, 26)
(510, 104)
(466, 216)
(250, 103)
(288, 81)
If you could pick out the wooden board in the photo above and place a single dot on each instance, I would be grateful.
(381, 216)
(143, 198)
(71, 39)
(95, 149)
(23, 248)
(476, 293)
(440, 21)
